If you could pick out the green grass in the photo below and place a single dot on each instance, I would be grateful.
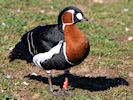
(110, 48)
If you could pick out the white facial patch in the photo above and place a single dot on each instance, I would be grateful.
(71, 11)
(79, 16)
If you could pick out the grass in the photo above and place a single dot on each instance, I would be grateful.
(111, 53)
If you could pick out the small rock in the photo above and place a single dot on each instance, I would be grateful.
(98, 1)
(125, 10)
(35, 96)
(11, 48)
(17, 83)
(127, 29)
(130, 38)
(1, 91)
(51, 7)
(25, 83)
(87, 75)
(42, 11)
(18, 10)
(4, 24)
(8, 76)
(130, 74)
(34, 74)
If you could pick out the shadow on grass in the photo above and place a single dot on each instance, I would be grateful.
(87, 83)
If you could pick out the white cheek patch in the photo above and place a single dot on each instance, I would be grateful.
(79, 16)
(41, 57)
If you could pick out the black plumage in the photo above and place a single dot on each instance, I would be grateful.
(58, 62)
(44, 38)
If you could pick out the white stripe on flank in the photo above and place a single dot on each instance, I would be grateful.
(48, 71)
(64, 52)
(29, 47)
(32, 44)
(41, 57)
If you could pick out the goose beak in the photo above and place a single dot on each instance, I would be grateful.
(84, 19)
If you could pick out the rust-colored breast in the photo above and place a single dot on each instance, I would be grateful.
(77, 44)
